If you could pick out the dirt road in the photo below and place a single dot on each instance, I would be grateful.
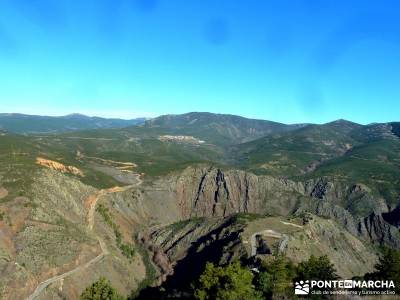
(291, 224)
(51, 280)
(91, 202)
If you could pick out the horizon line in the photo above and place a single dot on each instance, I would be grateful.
(138, 116)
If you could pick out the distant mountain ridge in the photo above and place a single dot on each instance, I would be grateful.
(218, 128)
(28, 124)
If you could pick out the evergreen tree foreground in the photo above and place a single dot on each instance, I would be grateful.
(101, 290)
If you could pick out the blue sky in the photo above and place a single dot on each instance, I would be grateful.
(283, 60)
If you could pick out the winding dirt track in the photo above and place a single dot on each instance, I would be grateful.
(91, 202)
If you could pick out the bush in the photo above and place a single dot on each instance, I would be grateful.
(101, 290)
(105, 213)
(127, 250)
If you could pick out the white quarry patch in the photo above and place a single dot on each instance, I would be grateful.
(181, 138)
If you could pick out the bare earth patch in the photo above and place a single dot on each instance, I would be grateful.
(54, 165)
(3, 192)
(109, 162)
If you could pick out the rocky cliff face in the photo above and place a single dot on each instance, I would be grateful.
(189, 246)
(377, 229)
(186, 216)
(212, 192)
(203, 198)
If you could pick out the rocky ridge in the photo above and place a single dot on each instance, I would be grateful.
(212, 192)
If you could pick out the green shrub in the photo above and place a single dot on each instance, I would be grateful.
(105, 213)
(127, 250)
(151, 273)
(226, 283)
(101, 290)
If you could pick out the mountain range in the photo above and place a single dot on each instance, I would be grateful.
(147, 203)
(28, 124)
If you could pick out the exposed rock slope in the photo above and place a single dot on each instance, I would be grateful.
(211, 192)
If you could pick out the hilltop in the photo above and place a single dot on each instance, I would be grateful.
(218, 128)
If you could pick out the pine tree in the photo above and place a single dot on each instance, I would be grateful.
(276, 277)
(101, 290)
(316, 268)
(388, 267)
(232, 282)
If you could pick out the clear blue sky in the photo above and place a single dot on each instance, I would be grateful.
(283, 60)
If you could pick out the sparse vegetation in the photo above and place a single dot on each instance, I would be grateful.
(243, 218)
(177, 226)
(105, 213)
(128, 250)
(150, 271)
